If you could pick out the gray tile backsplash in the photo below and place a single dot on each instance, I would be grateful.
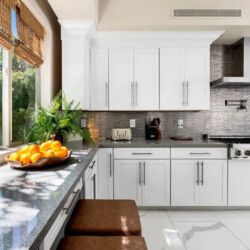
(220, 119)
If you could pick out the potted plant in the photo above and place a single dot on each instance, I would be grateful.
(54, 123)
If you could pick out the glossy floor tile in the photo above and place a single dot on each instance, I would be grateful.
(196, 230)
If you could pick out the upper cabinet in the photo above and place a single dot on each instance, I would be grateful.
(121, 79)
(99, 87)
(184, 79)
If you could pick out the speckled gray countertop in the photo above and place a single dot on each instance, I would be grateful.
(167, 142)
(31, 200)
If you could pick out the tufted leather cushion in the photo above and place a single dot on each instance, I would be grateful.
(102, 243)
(105, 217)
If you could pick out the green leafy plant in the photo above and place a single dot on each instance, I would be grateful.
(54, 121)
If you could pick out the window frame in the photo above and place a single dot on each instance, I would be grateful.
(7, 98)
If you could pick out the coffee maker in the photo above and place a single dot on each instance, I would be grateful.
(152, 129)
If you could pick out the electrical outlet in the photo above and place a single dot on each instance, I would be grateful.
(132, 123)
(180, 124)
(84, 123)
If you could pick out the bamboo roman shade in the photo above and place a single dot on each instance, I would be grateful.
(30, 32)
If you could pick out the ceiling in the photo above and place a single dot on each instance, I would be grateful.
(156, 15)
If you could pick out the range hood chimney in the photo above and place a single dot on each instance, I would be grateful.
(240, 64)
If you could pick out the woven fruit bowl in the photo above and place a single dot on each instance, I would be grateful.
(40, 163)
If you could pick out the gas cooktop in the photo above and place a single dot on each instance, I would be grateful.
(232, 140)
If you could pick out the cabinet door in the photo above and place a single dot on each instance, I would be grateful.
(121, 96)
(156, 183)
(172, 79)
(197, 78)
(99, 79)
(213, 185)
(105, 173)
(126, 180)
(184, 187)
(146, 79)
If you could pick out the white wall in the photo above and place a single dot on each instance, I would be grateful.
(50, 70)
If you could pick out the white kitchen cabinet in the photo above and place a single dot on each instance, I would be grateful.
(238, 183)
(156, 183)
(99, 80)
(184, 188)
(184, 79)
(105, 172)
(91, 180)
(121, 94)
(147, 182)
(127, 176)
(199, 183)
(146, 79)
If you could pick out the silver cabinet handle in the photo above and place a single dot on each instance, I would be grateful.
(187, 93)
(106, 94)
(132, 94)
(205, 153)
(139, 173)
(67, 209)
(144, 179)
(183, 94)
(94, 184)
(136, 89)
(198, 173)
(148, 153)
(93, 164)
(202, 173)
(110, 164)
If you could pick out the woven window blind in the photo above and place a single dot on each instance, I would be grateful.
(5, 23)
(30, 32)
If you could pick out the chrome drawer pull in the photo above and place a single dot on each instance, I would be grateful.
(202, 173)
(67, 209)
(93, 164)
(205, 153)
(139, 173)
(198, 173)
(142, 153)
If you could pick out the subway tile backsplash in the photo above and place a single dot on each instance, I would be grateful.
(220, 119)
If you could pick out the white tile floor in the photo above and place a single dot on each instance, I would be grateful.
(196, 230)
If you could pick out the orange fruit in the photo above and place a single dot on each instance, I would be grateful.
(34, 149)
(45, 146)
(25, 158)
(64, 151)
(24, 150)
(56, 145)
(14, 157)
(59, 154)
(35, 157)
(49, 153)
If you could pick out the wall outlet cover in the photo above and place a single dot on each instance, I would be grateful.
(84, 123)
(132, 123)
(180, 124)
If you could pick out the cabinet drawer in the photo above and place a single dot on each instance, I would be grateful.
(141, 153)
(199, 153)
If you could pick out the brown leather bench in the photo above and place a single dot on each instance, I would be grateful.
(102, 243)
(105, 218)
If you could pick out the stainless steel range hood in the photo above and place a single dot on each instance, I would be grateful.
(240, 66)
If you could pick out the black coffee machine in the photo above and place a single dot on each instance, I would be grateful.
(152, 129)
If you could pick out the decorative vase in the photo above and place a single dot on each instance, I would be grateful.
(56, 137)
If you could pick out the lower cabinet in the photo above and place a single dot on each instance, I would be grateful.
(145, 181)
(198, 182)
(91, 180)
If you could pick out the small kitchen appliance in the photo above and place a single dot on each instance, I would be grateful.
(152, 129)
(121, 134)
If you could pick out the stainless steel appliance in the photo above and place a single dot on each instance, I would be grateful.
(239, 146)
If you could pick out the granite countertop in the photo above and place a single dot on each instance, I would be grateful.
(165, 142)
(31, 200)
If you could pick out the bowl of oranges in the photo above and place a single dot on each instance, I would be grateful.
(49, 153)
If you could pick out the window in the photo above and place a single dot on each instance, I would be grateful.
(23, 97)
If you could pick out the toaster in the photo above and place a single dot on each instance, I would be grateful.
(121, 134)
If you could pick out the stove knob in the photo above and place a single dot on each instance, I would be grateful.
(247, 152)
(238, 153)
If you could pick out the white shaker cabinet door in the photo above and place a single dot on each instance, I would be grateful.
(172, 79)
(213, 183)
(197, 79)
(146, 79)
(156, 183)
(184, 186)
(99, 79)
(126, 180)
(121, 95)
